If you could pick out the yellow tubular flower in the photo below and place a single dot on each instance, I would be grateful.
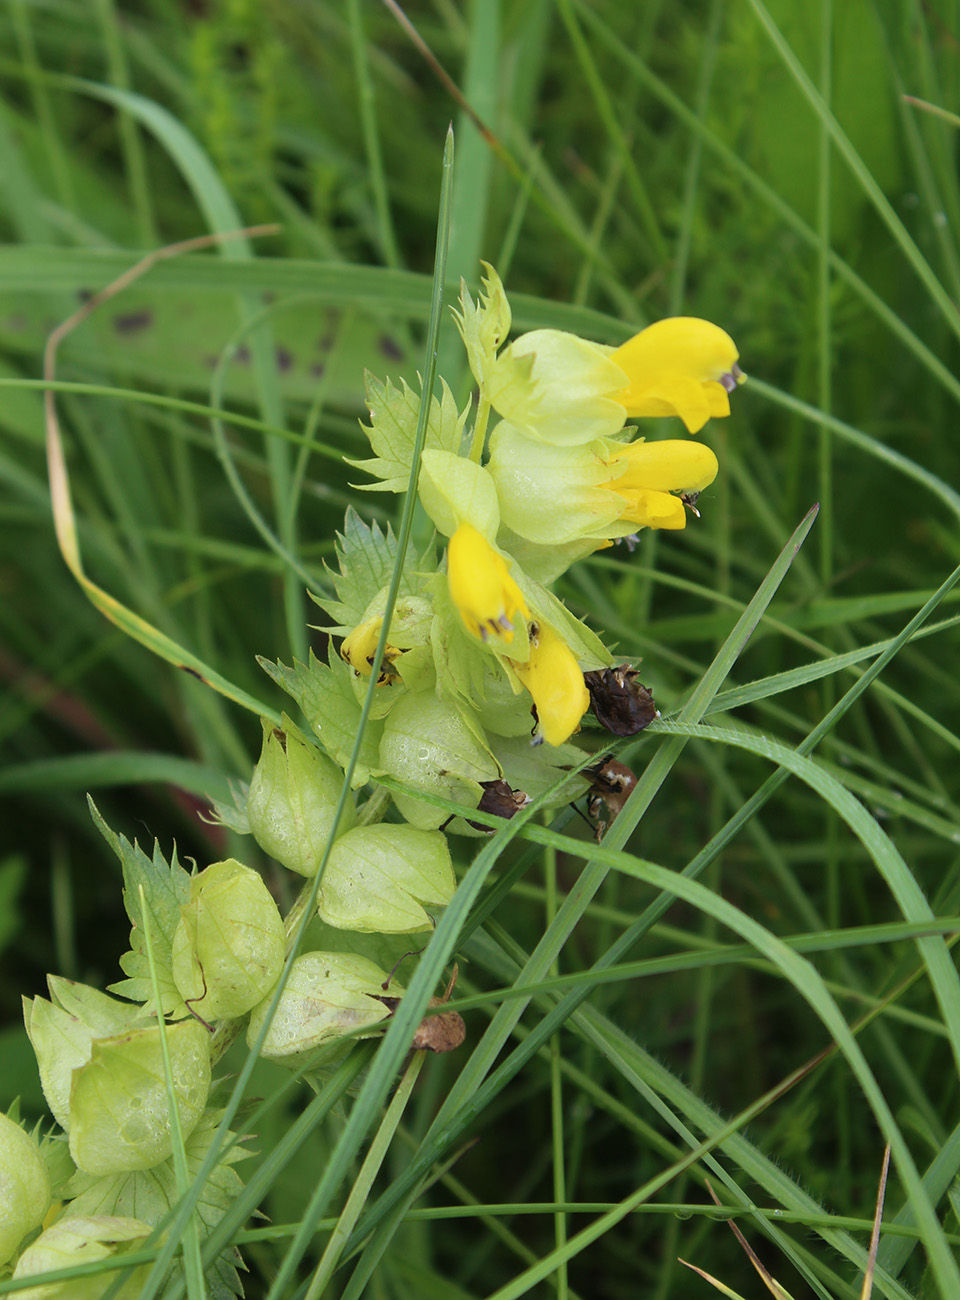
(655, 470)
(485, 595)
(555, 680)
(679, 366)
(359, 648)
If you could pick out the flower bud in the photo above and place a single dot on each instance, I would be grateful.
(327, 995)
(292, 798)
(24, 1187)
(61, 1033)
(378, 876)
(406, 654)
(84, 1240)
(229, 946)
(428, 746)
(119, 1110)
(359, 650)
(483, 326)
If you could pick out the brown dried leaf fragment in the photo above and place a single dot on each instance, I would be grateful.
(443, 1033)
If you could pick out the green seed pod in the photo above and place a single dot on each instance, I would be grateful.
(292, 798)
(119, 1112)
(229, 946)
(428, 746)
(328, 995)
(377, 877)
(84, 1240)
(24, 1187)
(61, 1033)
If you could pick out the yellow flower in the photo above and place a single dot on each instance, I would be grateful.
(481, 587)
(653, 472)
(360, 647)
(679, 366)
(560, 496)
(555, 680)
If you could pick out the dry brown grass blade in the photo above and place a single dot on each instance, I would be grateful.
(448, 83)
(770, 1282)
(875, 1234)
(64, 519)
(714, 1282)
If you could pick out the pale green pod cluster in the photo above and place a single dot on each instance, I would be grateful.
(84, 1240)
(329, 995)
(24, 1187)
(229, 945)
(292, 799)
(101, 1068)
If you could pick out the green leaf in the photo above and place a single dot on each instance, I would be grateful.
(366, 556)
(166, 888)
(326, 699)
(13, 875)
(393, 428)
(231, 813)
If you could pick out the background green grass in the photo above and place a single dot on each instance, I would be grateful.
(758, 166)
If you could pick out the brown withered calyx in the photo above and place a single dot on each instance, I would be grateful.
(620, 703)
(442, 1033)
(611, 784)
(499, 800)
